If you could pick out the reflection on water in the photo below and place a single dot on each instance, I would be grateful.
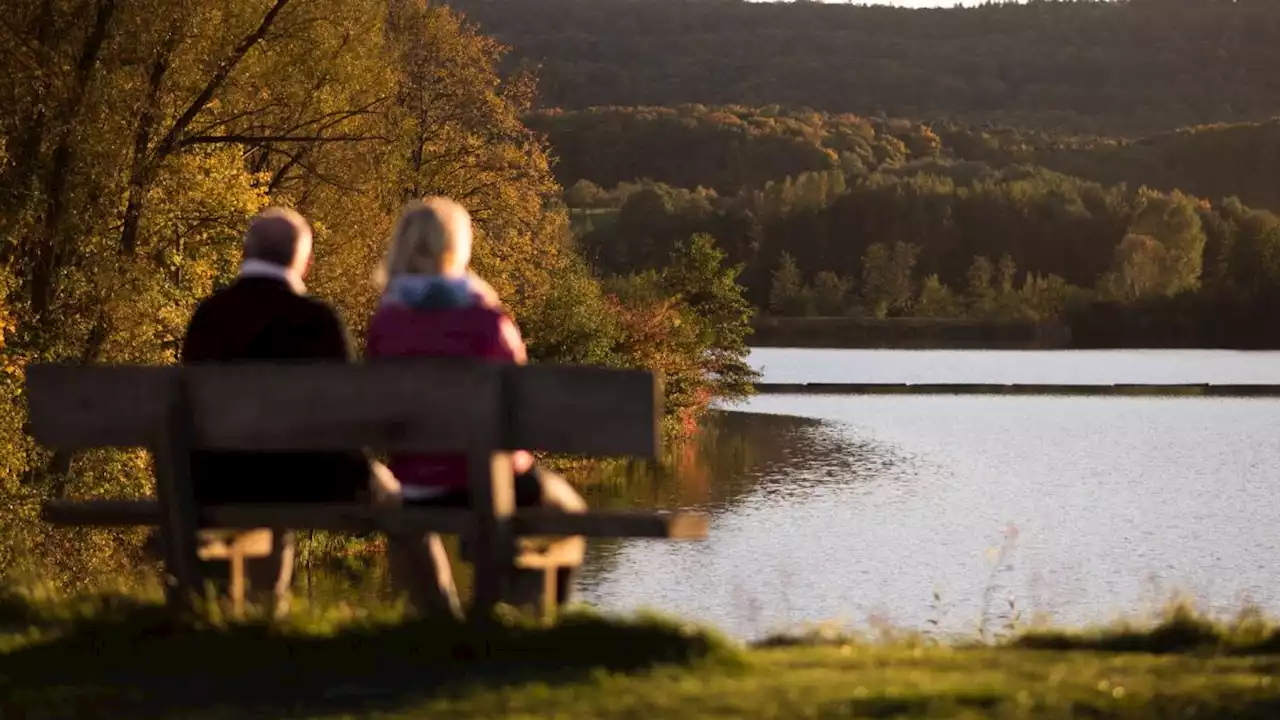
(1105, 504)
(732, 448)
(712, 475)
(769, 470)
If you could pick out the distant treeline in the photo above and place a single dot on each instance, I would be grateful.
(916, 333)
(1105, 67)
(899, 219)
(731, 148)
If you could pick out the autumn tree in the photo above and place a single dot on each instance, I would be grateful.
(788, 294)
(981, 293)
(831, 294)
(1045, 298)
(936, 300)
(584, 194)
(1172, 221)
(1139, 269)
(887, 277)
(145, 133)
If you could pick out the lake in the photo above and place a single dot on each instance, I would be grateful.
(937, 511)
(1032, 367)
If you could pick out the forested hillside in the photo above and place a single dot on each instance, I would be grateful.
(1107, 67)
(896, 218)
(731, 148)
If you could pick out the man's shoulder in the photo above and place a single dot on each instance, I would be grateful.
(212, 304)
(319, 308)
(308, 310)
(265, 295)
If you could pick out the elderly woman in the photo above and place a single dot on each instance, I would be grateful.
(433, 306)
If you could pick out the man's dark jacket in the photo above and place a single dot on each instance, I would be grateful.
(260, 318)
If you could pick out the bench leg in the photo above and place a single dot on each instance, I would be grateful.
(535, 591)
(237, 581)
(545, 573)
(566, 585)
(259, 567)
(544, 590)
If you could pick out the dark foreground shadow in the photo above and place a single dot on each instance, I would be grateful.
(136, 662)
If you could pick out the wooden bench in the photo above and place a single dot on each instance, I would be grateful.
(484, 411)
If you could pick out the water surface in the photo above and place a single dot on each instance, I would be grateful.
(1047, 367)
(936, 511)
(896, 508)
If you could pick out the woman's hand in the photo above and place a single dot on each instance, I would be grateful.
(522, 461)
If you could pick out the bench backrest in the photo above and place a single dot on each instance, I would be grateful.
(482, 410)
(419, 405)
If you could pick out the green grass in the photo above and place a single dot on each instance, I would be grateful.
(122, 656)
(1181, 630)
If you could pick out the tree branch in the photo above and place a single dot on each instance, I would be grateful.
(141, 169)
(265, 139)
(206, 129)
(224, 71)
(282, 172)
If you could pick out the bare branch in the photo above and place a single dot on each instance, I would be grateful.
(324, 122)
(224, 71)
(266, 139)
(206, 129)
(327, 180)
(480, 188)
(282, 172)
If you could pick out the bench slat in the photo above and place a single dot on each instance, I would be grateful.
(361, 518)
(612, 523)
(330, 406)
(287, 406)
(584, 410)
(74, 407)
(340, 518)
(418, 405)
(101, 513)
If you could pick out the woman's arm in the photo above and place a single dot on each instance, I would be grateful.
(371, 337)
(512, 342)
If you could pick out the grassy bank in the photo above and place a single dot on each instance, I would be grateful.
(112, 656)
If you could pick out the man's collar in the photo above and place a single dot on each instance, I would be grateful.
(254, 268)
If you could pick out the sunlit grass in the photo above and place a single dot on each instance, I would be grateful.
(122, 655)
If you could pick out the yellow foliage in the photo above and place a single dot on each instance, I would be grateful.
(146, 132)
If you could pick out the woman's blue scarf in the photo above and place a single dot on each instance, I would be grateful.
(430, 292)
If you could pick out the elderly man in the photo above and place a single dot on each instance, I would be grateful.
(265, 315)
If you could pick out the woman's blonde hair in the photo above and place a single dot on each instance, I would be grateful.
(431, 237)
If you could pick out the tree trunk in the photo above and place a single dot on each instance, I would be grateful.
(49, 247)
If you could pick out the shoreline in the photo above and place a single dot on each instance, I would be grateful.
(851, 333)
(905, 333)
(1138, 389)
